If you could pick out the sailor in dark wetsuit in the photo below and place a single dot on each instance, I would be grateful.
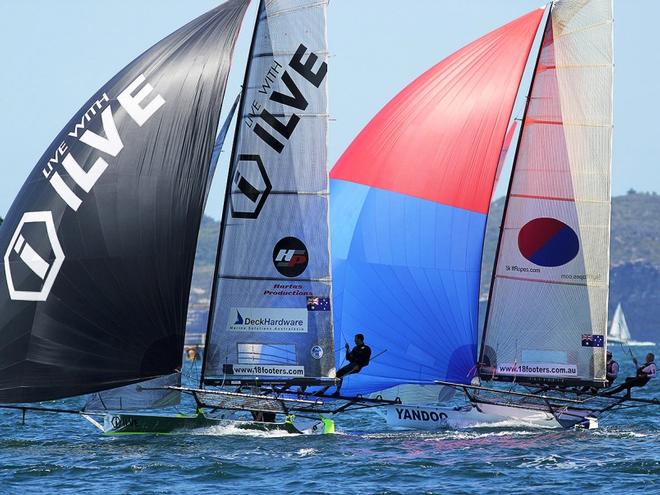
(357, 358)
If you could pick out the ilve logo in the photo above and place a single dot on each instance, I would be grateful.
(34, 255)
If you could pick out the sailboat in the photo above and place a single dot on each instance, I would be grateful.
(99, 243)
(410, 197)
(619, 332)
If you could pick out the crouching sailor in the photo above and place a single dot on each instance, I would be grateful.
(357, 358)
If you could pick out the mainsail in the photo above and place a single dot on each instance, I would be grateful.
(409, 203)
(270, 316)
(547, 314)
(99, 244)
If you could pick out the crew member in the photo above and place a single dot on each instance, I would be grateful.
(644, 373)
(263, 416)
(357, 358)
(191, 354)
(648, 369)
(612, 370)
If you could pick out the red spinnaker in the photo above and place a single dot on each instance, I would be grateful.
(440, 138)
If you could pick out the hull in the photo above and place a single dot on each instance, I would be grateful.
(145, 424)
(483, 415)
(632, 343)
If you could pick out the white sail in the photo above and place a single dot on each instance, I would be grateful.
(620, 333)
(547, 317)
(619, 330)
(271, 317)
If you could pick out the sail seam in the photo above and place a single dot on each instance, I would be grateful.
(530, 196)
(274, 279)
(533, 121)
(253, 115)
(292, 193)
(555, 282)
(296, 9)
(285, 53)
(586, 28)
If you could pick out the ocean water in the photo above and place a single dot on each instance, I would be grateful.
(54, 453)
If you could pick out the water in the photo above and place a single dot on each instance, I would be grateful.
(64, 454)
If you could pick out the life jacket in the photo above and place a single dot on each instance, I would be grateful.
(652, 368)
(611, 370)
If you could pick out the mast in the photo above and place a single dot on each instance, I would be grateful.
(541, 30)
(225, 208)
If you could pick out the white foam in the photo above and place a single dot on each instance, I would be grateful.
(616, 433)
(232, 430)
(306, 452)
(515, 423)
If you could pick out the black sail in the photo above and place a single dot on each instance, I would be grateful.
(99, 244)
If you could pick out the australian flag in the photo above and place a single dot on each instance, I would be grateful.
(315, 303)
(593, 340)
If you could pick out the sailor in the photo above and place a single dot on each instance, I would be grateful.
(357, 358)
(644, 373)
(648, 369)
(191, 354)
(263, 416)
(612, 370)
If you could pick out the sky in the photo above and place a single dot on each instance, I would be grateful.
(55, 55)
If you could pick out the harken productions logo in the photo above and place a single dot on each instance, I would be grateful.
(290, 256)
(33, 258)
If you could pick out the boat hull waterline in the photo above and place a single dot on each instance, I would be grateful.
(149, 424)
(431, 417)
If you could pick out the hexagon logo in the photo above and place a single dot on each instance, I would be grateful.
(26, 258)
(249, 188)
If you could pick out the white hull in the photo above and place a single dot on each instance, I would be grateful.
(482, 415)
